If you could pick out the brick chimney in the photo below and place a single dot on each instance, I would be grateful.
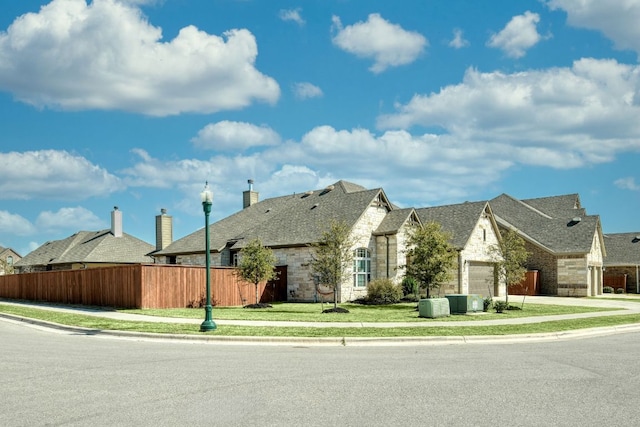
(249, 197)
(164, 230)
(116, 222)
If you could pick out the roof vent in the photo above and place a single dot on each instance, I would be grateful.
(636, 239)
(327, 189)
(575, 220)
(315, 206)
(307, 194)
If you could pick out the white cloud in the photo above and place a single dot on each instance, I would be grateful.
(292, 15)
(51, 174)
(227, 135)
(561, 117)
(628, 183)
(306, 90)
(519, 35)
(15, 224)
(458, 41)
(77, 218)
(388, 44)
(106, 55)
(618, 20)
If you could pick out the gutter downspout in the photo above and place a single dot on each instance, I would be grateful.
(459, 271)
(386, 237)
(637, 281)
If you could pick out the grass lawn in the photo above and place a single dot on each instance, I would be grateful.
(292, 311)
(358, 313)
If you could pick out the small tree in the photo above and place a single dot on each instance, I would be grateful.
(510, 255)
(257, 264)
(333, 257)
(5, 267)
(430, 257)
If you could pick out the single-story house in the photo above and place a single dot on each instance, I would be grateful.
(86, 249)
(474, 232)
(623, 260)
(567, 246)
(8, 258)
(290, 225)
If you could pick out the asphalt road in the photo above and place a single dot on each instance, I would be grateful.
(62, 379)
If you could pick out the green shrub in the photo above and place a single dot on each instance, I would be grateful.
(619, 291)
(607, 290)
(487, 303)
(500, 306)
(410, 286)
(383, 291)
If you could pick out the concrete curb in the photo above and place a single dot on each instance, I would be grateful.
(334, 341)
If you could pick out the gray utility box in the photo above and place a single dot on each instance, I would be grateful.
(462, 303)
(433, 307)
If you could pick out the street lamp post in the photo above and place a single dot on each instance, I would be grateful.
(207, 199)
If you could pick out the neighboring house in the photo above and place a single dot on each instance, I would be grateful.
(566, 245)
(86, 249)
(474, 231)
(623, 259)
(8, 258)
(291, 224)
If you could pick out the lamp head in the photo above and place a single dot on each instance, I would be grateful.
(206, 196)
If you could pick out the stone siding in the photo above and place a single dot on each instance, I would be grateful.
(362, 236)
(390, 255)
(573, 276)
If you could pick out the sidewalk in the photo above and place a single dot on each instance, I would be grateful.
(617, 308)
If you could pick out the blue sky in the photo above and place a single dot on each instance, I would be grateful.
(136, 103)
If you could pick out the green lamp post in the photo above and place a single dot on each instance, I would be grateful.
(207, 199)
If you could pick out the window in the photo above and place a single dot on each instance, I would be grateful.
(361, 268)
(9, 260)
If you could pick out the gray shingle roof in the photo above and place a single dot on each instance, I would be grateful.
(623, 249)
(293, 220)
(395, 219)
(548, 222)
(459, 219)
(90, 247)
(556, 205)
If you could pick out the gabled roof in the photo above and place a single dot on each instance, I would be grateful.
(7, 251)
(623, 249)
(293, 220)
(395, 219)
(459, 219)
(549, 222)
(90, 247)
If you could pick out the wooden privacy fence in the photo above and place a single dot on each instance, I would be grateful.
(529, 286)
(140, 286)
(615, 281)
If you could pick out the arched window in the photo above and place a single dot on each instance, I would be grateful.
(361, 267)
(10, 260)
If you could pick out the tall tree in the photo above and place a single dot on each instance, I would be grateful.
(333, 257)
(257, 264)
(430, 256)
(510, 255)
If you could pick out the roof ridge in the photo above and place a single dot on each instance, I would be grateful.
(527, 206)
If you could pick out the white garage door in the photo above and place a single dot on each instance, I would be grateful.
(481, 279)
